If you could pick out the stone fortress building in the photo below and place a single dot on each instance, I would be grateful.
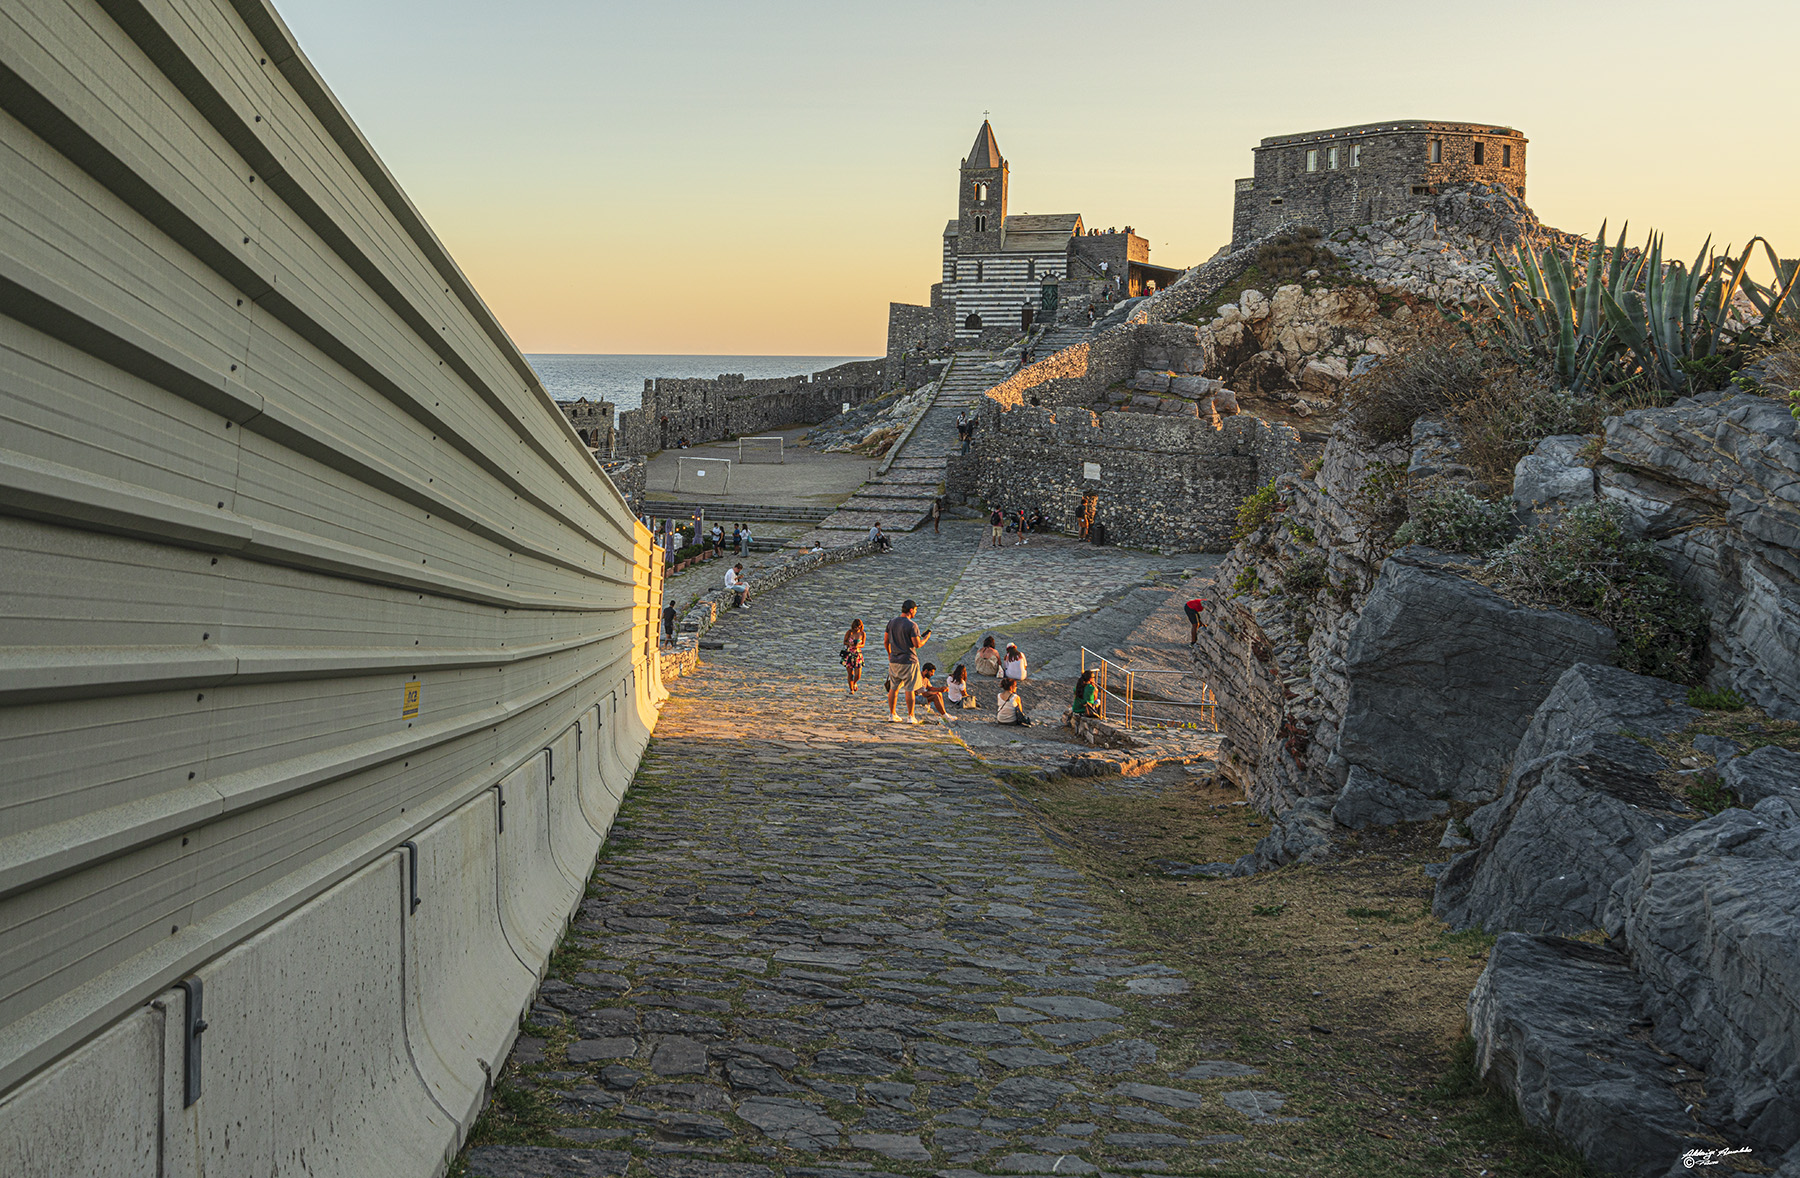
(1350, 176)
(997, 264)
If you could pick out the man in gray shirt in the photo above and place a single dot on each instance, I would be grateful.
(903, 641)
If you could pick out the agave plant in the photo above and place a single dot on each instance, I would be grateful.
(1545, 317)
(1630, 315)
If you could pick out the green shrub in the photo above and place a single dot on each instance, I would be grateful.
(1585, 562)
(1288, 256)
(1302, 533)
(1436, 368)
(1247, 583)
(1457, 521)
(1708, 794)
(1255, 512)
(1504, 419)
(1304, 575)
(1716, 701)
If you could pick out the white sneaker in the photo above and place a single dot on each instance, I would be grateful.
(893, 717)
(914, 720)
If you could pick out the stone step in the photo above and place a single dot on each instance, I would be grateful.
(727, 512)
(894, 491)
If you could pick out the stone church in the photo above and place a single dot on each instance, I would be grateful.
(997, 265)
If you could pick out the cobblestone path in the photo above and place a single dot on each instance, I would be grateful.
(822, 944)
(1048, 574)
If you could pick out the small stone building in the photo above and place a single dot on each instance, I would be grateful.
(593, 420)
(1353, 176)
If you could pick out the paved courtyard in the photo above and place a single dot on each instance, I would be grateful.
(821, 944)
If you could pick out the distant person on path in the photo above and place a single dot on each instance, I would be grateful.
(737, 535)
(957, 689)
(744, 541)
(1087, 696)
(902, 642)
(987, 659)
(852, 654)
(932, 694)
(1009, 709)
(718, 537)
(879, 538)
(734, 581)
(997, 527)
(668, 621)
(1019, 522)
(1193, 609)
(937, 514)
(1013, 666)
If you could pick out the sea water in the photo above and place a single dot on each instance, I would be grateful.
(620, 379)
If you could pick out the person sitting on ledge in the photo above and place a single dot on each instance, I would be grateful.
(1010, 709)
(740, 588)
(1087, 696)
(958, 691)
(987, 659)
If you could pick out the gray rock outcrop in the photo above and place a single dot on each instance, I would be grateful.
(1712, 922)
(1369, 799)
(1763, 773)
(1581, 806)
(1444, 676)
(1552, 477)
(1553, 1023)
(1715, 481)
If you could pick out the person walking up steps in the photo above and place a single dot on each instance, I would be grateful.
(903, 641)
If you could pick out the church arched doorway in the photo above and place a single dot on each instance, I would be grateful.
(972, 323)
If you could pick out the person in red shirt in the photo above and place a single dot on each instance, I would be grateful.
(1194, 608)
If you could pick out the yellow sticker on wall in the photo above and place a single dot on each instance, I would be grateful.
(409, 705)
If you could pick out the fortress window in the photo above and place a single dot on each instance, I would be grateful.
(978, 274)
(1506, 155)
(1356, 155)
(1437, 151)
(1331, 158)
(972, 323)
(1030, 268)
(1275, 200)
(1312, 160)
(1480, 153)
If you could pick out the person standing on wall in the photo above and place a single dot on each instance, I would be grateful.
(1194, 609)
(902, 642)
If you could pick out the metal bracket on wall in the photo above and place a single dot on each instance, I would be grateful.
(193, 987)
(500, 810)
(412, 874)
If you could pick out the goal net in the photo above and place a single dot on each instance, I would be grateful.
(708, 475)
(760, 450)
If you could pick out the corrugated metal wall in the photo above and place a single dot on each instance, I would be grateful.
(298, 563)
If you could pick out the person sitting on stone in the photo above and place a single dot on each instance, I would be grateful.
(1013, 666)
(957, 689)
(930, 693)
(1010, 709)
(740, 588)
(1087, 696)
(987, 659)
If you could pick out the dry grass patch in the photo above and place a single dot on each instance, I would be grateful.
(1335, 978)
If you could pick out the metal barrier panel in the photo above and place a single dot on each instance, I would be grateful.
(297, 560)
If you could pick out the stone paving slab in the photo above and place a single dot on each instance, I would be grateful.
(821, 944)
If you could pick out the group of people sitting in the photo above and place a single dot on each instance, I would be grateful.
(1001, 522)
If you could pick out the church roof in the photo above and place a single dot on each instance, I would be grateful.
(1033, 232)
(986, 152)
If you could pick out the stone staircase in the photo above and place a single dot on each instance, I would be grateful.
(727, 513)
(900, 496)
(1065, 335)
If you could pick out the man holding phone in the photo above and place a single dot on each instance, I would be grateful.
(903, 641)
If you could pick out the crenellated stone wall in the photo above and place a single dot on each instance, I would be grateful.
(726, 406)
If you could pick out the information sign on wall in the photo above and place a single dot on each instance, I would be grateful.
(1090, 470)
(409, 703)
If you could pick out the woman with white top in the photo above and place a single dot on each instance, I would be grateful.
(958, 691)
(1014, 665)
(1009, 710)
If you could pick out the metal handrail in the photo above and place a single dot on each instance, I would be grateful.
(1208, 703)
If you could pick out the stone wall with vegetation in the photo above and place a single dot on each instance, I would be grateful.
(729, 406)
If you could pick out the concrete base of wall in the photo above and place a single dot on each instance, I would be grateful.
(358, 1033)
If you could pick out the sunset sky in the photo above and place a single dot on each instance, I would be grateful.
(764, 178)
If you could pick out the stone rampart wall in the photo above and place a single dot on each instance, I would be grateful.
(703, 410)
(1164, 482)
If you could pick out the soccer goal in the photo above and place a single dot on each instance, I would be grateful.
(706, 475)
(760, 450)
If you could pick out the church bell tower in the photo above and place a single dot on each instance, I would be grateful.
(981, 199)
